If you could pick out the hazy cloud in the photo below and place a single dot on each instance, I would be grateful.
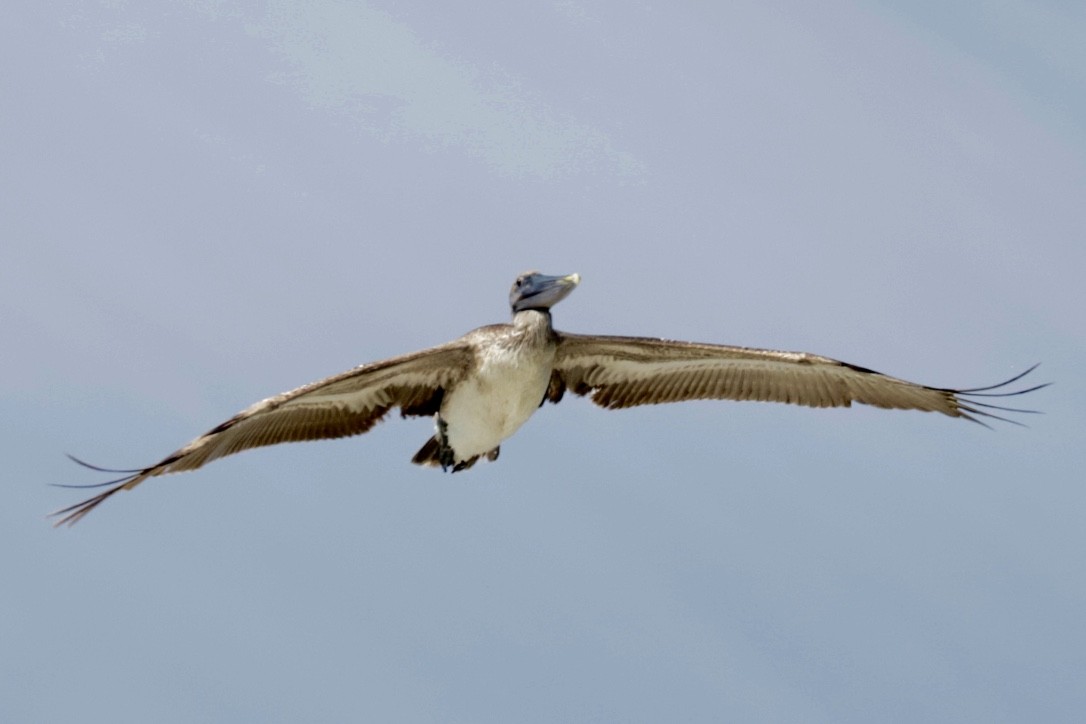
(363, 62)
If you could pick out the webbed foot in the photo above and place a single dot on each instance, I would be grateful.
(445, 454)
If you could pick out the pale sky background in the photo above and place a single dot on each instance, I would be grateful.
(205, 203)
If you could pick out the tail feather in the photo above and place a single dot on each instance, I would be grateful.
(429, 454)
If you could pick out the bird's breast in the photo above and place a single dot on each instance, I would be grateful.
(496, 399)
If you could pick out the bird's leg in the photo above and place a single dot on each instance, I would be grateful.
(445, 454)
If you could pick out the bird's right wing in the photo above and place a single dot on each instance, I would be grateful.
(339, 406)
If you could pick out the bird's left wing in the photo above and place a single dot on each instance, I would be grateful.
(339, 406)
(626, 371)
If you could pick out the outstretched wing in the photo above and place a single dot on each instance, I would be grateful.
(346, 404)
(627, 371)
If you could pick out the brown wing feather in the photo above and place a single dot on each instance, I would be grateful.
(627, 371)
(346, 404)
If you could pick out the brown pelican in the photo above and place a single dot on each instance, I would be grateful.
(482, 387)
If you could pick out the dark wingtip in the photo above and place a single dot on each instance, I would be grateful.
(128, 475)
(968, 404)
(74, 513)
(85, 464)
(987, 389)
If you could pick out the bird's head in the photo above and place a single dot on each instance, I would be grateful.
(533, 290)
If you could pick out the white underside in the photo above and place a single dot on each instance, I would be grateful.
(492, 404)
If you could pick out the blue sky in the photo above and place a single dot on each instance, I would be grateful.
(205, 204)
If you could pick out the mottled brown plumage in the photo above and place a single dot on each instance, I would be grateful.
(346, 404)
(622, 372)
(482, 387)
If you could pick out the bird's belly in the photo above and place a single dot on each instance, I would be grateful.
(492, 404)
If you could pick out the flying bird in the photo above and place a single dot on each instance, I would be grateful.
(482, 387)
